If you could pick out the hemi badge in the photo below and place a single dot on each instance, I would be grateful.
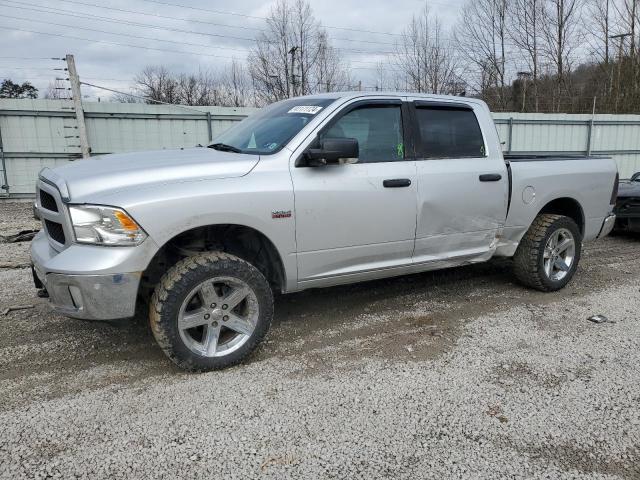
(281, 214)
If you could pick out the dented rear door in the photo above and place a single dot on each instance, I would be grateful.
(462, 181)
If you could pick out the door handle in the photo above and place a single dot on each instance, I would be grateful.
(490, 177)
(396, 183)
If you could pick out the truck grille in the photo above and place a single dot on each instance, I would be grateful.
(54, 215)
(55, 231)
(47, 201)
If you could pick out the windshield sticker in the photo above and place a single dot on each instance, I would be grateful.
(309, 109)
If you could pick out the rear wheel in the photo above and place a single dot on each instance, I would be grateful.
(548, 254)
(210, 311)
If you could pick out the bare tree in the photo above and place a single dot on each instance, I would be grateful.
(228, 88)
(601, 16)
(424, 58)
(308, 40)
(330, 73)
(562, 35)
(628, 18)
(157, 83)
(481, 36)
(293, 56)
(57, 90)
(525, 23)
(387, 79)
(236, 86)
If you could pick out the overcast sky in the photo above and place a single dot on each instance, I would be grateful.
(227, 34)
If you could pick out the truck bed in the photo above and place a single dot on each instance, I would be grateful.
(579, 182)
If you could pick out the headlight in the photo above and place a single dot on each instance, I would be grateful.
(100, 225)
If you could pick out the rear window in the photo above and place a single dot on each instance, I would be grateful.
(447, 132)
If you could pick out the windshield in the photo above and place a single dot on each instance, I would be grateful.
(270, 129)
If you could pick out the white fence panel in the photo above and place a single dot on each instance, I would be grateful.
(39, 133)
(612, 135)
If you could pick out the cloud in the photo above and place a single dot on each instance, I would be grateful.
(172, 41)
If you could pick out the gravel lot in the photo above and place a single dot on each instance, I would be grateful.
(453, 374)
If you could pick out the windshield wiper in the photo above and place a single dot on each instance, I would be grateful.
(223, 147)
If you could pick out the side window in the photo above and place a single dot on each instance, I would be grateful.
(449, 133)
(378, 129)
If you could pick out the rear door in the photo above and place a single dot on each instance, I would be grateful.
(355, 220)
(462, 182)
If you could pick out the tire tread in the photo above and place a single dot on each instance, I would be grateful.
(166, 296)
(527, 257)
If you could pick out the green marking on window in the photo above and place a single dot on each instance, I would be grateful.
(400, 150)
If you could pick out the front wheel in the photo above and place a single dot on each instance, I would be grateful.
(548, 254)
(209, 311)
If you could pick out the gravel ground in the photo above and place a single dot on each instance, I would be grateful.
(453, 374)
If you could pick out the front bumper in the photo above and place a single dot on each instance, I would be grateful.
(92, 297)
(86, 281)
(607, 225)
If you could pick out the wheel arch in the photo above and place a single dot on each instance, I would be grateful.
(567, 206)
(242, 241)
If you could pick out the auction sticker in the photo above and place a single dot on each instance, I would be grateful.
(310, 109)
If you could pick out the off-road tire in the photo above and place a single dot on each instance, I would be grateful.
(529, 257)
(176, 284)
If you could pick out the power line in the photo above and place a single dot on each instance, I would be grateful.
(333, 27)
(30, 58)
(26, 68)
(137, 12)
(62, 12)
(53, 77)
(100, 18)
(222, 12)
(69, 13)
(245, 51)
(173, 18)
(114, 43)
(124, 34)
(120, 44)
(149, 48)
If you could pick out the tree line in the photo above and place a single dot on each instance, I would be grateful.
(517, 55)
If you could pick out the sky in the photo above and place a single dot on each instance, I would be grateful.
(184, 35)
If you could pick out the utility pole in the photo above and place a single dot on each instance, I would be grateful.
(524, 76)
(292, 52)
(76, 95)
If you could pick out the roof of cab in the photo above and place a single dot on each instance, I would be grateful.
(358, 94)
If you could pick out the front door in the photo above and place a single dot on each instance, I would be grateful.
(462, 182)
(356, 220)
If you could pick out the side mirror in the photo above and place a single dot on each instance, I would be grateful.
(331, 150)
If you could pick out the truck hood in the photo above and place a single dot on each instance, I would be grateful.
(117, 172)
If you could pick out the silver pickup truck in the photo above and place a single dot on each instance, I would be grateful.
(309, 192)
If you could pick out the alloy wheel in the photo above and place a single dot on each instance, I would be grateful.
(218, 316)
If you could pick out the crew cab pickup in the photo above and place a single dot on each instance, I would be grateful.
(308, 192)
